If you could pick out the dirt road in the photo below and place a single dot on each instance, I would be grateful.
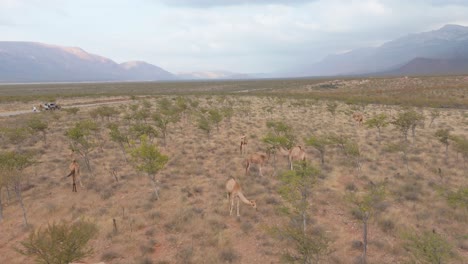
(21, 112)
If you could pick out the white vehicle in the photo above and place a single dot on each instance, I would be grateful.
(51, 106)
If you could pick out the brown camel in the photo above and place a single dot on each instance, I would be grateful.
(75, 173)
(256, 158)
(234, 190)
(358, 117)
(296, 153)
(243, 143)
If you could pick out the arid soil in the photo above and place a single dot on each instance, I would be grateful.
(191, 222)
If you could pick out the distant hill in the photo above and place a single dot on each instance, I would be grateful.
(425, 66)
(446, 43)
(213, 75)
(37, 62)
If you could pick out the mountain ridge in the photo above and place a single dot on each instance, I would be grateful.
(39, 62)
(447, 42)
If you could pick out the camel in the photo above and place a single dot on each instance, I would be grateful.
(358, 117)
(256, 158)
(242, 144)
(75, 173)
(234, 190)
(296, 153)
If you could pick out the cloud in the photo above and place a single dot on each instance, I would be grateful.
(220, 3)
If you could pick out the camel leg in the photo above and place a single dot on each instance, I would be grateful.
(260, 170)
(232, 206)
(238, 206)
(290, 163)
(247, 168)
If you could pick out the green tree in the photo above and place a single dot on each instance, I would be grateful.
(434, 114)
(379, 121)
(407, 120)
(167, 113)
(215, 117)
(296, 190)
(461, 146)
(15, 135)
(365, 205)
(331, 107)
(82, 140)
(205, 125)
(61, 243)
(319, 143)
(39, 126)
(443, 136)
(106, 112)
(280, 136)
(139, 129)
(12, 165)
(147, 159)
(118, 137)
(428, 246)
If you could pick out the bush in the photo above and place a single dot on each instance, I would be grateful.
(60, 243)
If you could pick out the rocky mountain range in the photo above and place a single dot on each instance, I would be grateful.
(442, 51)
(37, 62)
(434, 52)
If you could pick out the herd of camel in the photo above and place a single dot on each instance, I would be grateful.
(297, 153)
(233, 189)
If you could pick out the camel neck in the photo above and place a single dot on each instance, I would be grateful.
(242, 197)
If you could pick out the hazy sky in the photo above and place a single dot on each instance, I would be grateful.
(236, 35)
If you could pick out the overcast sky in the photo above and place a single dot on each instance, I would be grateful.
(236, 35)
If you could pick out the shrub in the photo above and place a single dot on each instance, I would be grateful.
(60, 243)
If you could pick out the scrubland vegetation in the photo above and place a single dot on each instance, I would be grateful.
(393, 189)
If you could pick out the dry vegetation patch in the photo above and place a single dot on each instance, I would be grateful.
(190, 223)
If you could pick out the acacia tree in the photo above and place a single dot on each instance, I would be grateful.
(205, 125)
(379, 121)
(139, 129)
(118, 137)
(215, 117)
(81, 139)
(280, 136)
(364, 207)
(434, 114)
(461, 146)
(15, 135)
(319, 143)
(331, 107)
(443, 136)
(428, 246)
(296, 189)
(39, 126)
(167, 113)
(12, 165)
(61, 243)
(147, 159)
(407, 120)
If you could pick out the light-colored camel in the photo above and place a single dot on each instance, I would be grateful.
(358, 117)
(256, 158)
(75, 173)
(243, 143)
(234, 190)
(296, 153)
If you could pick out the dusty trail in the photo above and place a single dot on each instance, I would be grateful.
(21, 112)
